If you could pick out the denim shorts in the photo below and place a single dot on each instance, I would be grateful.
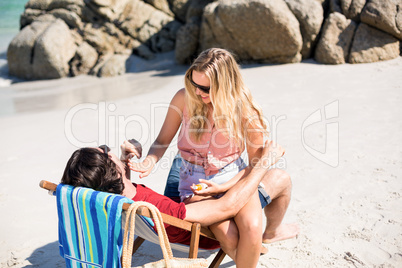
(191, 174)
(172, 184)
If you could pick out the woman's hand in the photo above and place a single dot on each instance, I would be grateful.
(212, 189)
(144, 168)
(129, 149)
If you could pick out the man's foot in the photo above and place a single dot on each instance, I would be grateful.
(264, 250)
(283, 232)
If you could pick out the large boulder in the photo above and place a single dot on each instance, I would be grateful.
(385, 15)
(336, 39)
(20, 51)
(255, 30)
(372, 45)
(187, 42)
(52, 52)
(42, 50)
(310, 15)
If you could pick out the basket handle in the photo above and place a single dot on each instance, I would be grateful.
(129, 233)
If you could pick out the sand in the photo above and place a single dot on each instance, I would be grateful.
(341, 127)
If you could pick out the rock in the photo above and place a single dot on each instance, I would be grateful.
(98, 39)
(385, 15)
(310, 15)
(116, 65)
(85, 58)
(187, 43)
(162, 5)
(188, 35)
(372, 45)
(256, 30)
(20, 54)
(52, 4)
(38, 4)
(196, 9)
(69, 17)
(336, 39)
(41, 50)
(72, 5)
(142, 21)
(352, 8)
(179, 8)
(109, 9)
(120, 42)
(29, 16)
(78, 40)
(52, 52)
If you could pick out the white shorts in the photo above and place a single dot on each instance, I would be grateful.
(191, 174)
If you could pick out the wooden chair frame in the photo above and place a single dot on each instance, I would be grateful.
(194, 227)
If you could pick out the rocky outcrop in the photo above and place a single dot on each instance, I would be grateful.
(60, 38)
(363, 31)
(256, 30)
(89, 36)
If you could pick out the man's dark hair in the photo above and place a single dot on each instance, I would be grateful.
(88, 167)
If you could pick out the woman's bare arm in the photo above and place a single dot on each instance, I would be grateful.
(169, 129)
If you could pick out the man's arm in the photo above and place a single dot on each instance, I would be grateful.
(211, 211)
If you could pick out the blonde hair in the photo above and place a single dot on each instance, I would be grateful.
(234, 109)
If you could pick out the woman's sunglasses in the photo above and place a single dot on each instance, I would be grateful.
(202, 88)
(105, 149)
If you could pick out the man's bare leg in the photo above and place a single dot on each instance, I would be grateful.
(278, 185)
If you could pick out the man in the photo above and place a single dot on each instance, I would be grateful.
(101, 170)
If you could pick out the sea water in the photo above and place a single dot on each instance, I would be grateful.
(10, 11)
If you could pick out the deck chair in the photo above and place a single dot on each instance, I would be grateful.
(146, 232)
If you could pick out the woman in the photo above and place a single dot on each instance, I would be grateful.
(219, 120)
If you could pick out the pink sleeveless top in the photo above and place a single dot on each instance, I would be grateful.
(213, 151)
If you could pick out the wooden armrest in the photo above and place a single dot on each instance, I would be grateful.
(182, 224)
(185, 225)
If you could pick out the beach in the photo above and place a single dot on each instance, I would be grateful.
(340, 126)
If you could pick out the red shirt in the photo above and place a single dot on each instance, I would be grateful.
(172, 208)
